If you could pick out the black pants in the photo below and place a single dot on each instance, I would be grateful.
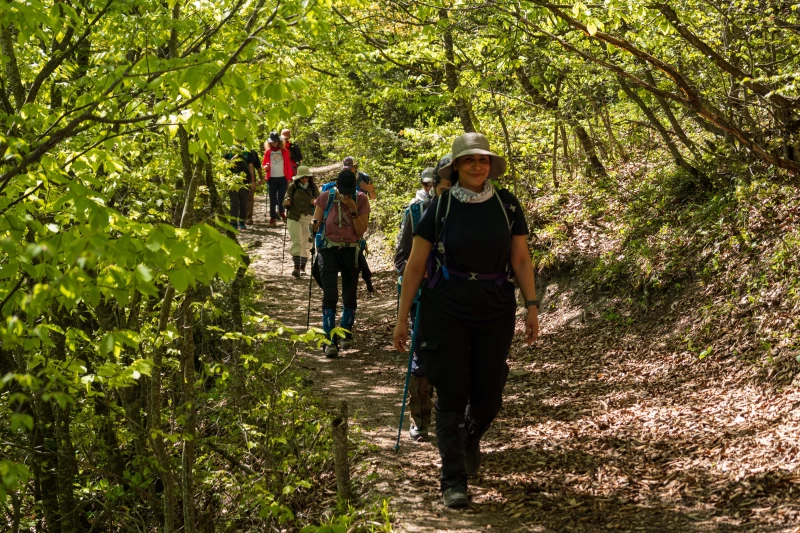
(239, 201)
(277, 191)
(466, 362)
(333, 261)
(366, 273)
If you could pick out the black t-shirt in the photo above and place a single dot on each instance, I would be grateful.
(240, 161)
(477, 239)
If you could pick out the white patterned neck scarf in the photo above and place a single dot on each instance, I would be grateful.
(469, 197)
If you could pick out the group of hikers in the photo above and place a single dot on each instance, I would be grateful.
(462, 243)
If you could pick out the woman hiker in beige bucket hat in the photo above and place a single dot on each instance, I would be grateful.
(299, 201)
(471, 241)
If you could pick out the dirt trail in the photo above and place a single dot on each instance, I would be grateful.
(605, 427)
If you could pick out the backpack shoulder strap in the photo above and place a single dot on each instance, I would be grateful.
(438, 223)
(329, 205)
(415, 215)
(509, 206)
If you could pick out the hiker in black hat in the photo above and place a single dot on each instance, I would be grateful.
(420, 392)
(340, 220)
(472, 241)
(278, 164)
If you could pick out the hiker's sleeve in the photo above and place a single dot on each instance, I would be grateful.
(255, 160)
(520, 224)
(427, 225)
(363, 204)
(298, 153)
(404, 243)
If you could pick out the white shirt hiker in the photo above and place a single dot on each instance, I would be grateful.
(276, 164)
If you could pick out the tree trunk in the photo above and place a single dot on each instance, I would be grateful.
(44, 466)
(190, 406)
(555, 156)
(507, 139)
(67, 470)
(665, 136)
(154, 419)
(451, 76)
(12, 70)
(594, 167)
(676, 126)
(340, 460)
(565, 145)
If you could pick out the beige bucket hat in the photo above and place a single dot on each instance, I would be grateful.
(302, 172)
(474, 144)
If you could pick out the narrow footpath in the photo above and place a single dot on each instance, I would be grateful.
(605, 426)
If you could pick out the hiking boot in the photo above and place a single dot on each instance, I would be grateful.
(347, 343)
(295, 273)
(455, 497)
(272, 222)
(283, 217)
(331, 351)
(242, 225)
(418, 433)
(250, 221)
(472, 459)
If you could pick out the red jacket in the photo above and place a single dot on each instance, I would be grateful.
(288, 168)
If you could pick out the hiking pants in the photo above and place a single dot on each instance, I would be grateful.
(466, 362)
(332, 261)
(239, 204)
(420, 391)
(299, 233)
(277, 191)
(251, 201)
(420, 400)
(366, 273)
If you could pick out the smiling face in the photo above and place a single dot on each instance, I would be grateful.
(473, 170)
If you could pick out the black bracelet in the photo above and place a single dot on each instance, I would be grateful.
(354, 215)
(531, 303)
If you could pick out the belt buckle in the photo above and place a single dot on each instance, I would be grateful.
(473, 276)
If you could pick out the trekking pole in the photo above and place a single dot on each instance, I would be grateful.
(310, 283)
(283, 256)
(408, 373)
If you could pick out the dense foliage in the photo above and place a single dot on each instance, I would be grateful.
(640, 135)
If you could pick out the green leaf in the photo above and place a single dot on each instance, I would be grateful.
(179, 279)
(143, 274)
(213, 260)
(154, 241)
(107, 344)
(19, 420)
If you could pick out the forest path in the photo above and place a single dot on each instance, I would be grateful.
(606, 426)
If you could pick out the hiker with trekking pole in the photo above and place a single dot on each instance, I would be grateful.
(340, 220)
(471, 243)
(299, 201)
(418, 389)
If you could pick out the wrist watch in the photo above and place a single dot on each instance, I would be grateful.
(531, 303)
(353, 214)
